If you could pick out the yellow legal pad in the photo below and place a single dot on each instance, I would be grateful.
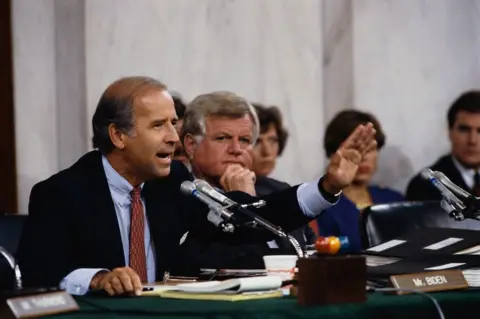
(216, 296)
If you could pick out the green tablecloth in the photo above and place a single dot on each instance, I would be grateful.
(458, 304)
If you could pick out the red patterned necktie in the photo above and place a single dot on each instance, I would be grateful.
(138, 260)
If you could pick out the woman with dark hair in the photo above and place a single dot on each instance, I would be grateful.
(343, 219)
(272, 140)
(269, 146)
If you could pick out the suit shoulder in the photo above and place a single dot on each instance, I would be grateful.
(178, 171)
(74, 176)
(272, 183)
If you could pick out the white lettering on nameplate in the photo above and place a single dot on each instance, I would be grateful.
(45, 302)
(430, 281)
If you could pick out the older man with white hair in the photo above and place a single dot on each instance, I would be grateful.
(219, 133)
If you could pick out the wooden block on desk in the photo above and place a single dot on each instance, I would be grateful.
(331, 279)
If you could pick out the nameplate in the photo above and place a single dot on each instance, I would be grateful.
(41, 305)
(430, 281)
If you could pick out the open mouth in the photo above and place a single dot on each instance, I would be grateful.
(164, 156)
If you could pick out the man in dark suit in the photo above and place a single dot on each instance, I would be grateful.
(219, 134)
(462, 165)
(116, 218)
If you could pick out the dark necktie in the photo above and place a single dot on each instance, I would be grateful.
(138, 260)
(476, 184)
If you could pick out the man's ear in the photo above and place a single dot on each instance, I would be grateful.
(116, 136)
(189, 144)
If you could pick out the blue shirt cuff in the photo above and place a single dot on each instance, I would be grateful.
(311, 201)
(78, 281)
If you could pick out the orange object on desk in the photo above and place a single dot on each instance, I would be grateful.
(331, 245)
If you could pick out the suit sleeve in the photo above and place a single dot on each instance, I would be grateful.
(45, 249)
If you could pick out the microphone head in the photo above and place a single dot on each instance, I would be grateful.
(200, 184)
(187, 187)
(427, 173)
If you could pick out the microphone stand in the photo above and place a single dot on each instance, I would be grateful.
(18, 289)
(13, 264)
(257, 220)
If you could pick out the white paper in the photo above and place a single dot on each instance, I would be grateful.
(387, 245)
(444, 243)
(446, 266)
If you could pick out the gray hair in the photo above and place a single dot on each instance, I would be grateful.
(116, 107)
(220, 104)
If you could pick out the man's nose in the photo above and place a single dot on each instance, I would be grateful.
(235, 147)
(172, 136)
(473, 137)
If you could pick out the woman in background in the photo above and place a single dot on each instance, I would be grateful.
(269, 146)
(343, 219)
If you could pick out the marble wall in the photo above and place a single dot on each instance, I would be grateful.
(312, 58)
(267, 51)
(411, 60)
(49, 89)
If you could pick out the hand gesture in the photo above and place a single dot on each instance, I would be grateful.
(237, 178)
(344, 163)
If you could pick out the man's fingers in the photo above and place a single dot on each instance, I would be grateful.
(372, 146)
(351, 140)
(117, 285)
(109, 289)
(136, 282)
(126, 282)
(352, 155)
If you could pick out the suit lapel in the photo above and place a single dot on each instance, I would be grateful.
(164, 222)
(454, 174)
(104, 218)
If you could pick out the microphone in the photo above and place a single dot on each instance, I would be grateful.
(452, 186)
(205, 188)
(208, 190)
(217, 214)
(471, 202)
(447, 195)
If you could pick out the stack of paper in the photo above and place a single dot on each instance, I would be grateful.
(232, 290)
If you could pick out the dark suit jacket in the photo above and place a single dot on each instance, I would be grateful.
(421, 189)
(250, 256)
(304, 235)
(73, 224)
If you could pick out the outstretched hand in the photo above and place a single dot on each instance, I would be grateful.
(344, 163)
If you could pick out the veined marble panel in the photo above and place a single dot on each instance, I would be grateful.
(411, 60)
(267, 51)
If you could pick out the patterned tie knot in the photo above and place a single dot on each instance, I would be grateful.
(136, 191)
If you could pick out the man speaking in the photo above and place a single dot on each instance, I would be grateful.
(116, 218)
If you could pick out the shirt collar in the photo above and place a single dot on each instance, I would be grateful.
(120, 188)
(467, 173)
